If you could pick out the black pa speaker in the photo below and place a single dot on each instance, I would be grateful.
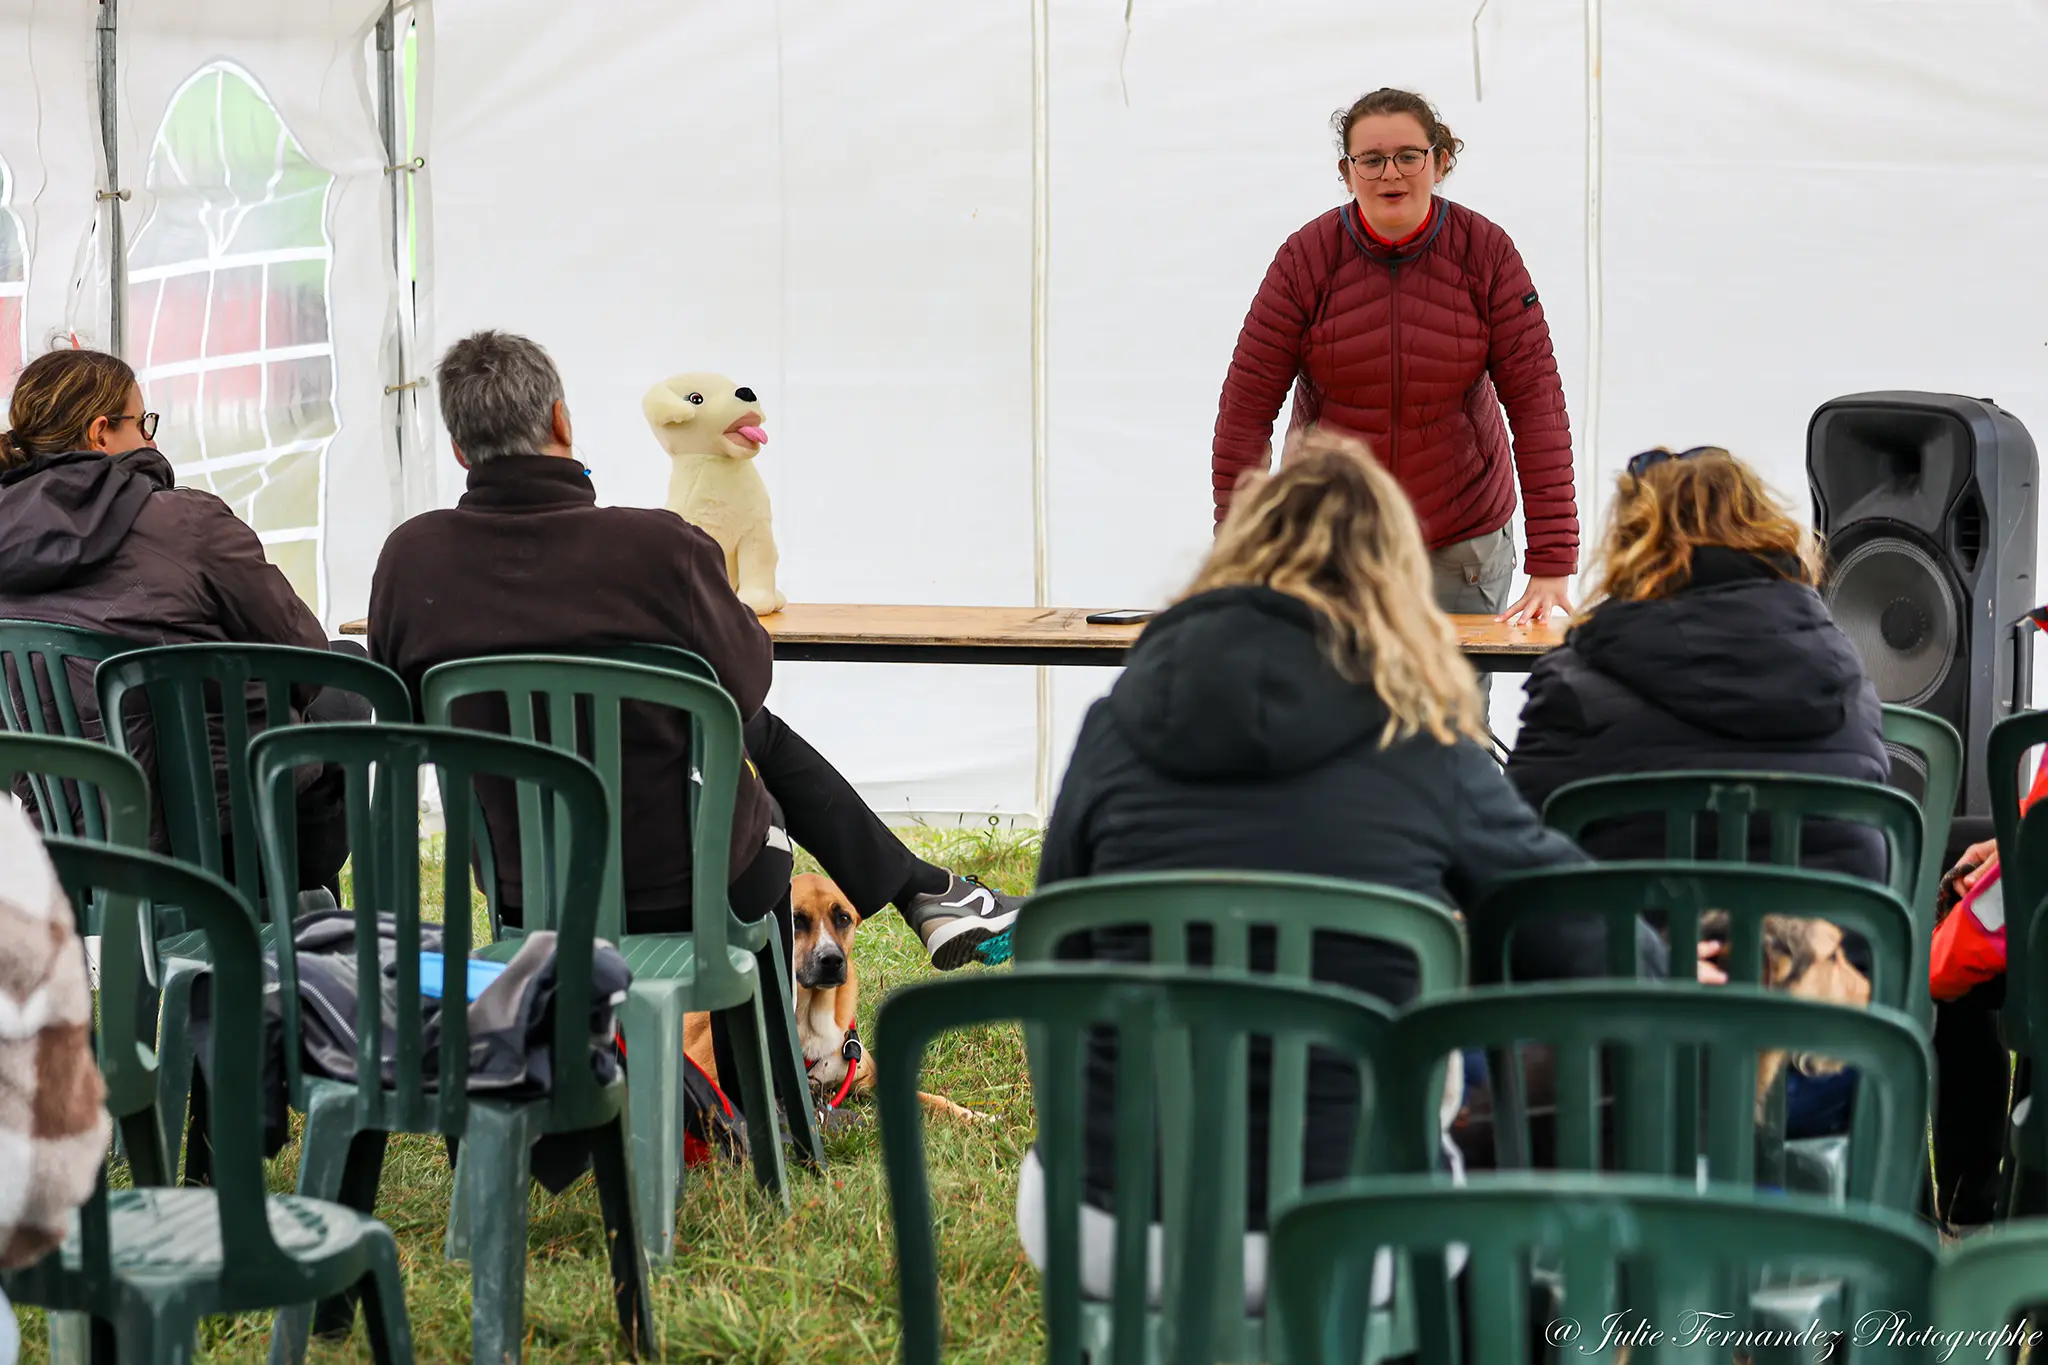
(1927, 503)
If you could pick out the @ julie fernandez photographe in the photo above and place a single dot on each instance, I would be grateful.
(1700, 1327)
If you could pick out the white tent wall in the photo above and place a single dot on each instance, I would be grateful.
(1807, 200)
(1733, 212)
(831, 205)
(308, 62)
(49, 143)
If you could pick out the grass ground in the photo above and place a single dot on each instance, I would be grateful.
(748, 1285)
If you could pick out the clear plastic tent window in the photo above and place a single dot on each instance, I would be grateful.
(228, 313)
(13, 286)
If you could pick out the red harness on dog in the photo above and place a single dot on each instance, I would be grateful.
(852, 1051)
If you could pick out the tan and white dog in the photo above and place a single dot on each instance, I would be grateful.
(712, 429)
(827, 996)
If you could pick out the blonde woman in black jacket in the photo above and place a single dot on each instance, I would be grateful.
(1304, 708)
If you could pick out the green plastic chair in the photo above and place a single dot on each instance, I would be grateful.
(113, 808)
(2023, 883)
(1233, 906)
(1992, 1279)
(347, 1122)
(185, 686)
(1939, 749)
(1663, 1127)
(148, 1264)
(1788, 800)
(1656, 1249)
(721, 965)
(1187, 1143)
(2023, 867)
(1682, 892)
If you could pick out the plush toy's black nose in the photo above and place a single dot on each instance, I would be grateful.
(745, 395)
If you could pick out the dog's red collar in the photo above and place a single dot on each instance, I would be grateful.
(852, 1051)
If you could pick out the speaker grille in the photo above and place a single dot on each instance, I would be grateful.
(1892, 599)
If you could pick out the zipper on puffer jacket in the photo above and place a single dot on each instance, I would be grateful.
(1394, 360)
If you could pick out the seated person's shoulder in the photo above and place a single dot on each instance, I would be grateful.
(427, 528)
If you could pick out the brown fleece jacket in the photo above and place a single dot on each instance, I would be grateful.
(527, 562)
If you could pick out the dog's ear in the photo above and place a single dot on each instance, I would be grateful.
(667, 408)
(1788, 949)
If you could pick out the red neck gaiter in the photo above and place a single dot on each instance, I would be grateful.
(1427, 220)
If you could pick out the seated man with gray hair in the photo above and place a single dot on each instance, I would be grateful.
(527, 562)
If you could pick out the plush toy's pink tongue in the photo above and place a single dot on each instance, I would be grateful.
(754, 434)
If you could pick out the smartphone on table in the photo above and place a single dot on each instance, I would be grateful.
(1123, 616)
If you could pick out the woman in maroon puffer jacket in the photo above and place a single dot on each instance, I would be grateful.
(1410, 321)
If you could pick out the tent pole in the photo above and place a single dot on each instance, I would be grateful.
(1041, 241)
(113, 194)
(387, 126)
(1596, 159)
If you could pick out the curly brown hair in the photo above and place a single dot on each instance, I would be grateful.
(57, 399)
(1387, 100)
(1333, 529)
(1707, 497)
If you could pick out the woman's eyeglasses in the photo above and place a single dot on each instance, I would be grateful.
(146, 423)
(1639, 465)
(1407, 161)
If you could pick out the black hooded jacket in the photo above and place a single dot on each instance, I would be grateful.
(1232, 743)
(1743, 668)
(110, 543)
(64, 515)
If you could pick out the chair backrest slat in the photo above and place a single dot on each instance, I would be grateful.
(1656, 1250)
(1641, 1027)
(1152, 1011)
(1939, 749)
(1790, 799)
(380, 766)
(1679, 893)
(1232, 906)
(200, 698)
(36, 678)
(1991, 1278)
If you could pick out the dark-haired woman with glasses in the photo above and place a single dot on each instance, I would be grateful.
(1706, 647)
(1410, 321)
(95, 533)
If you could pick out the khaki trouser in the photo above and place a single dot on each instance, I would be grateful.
(1473, 578)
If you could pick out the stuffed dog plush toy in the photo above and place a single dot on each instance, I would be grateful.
(712, 429)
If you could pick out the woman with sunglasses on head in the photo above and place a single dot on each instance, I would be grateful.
(96, 534)
(1409, 320)
(1707, 646)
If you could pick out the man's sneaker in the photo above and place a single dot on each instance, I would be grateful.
(954, 922)
(997, 950)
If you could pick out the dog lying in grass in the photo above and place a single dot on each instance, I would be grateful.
(1802, 958)
(827, 997)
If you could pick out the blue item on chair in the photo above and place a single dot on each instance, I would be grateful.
(480, 975)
